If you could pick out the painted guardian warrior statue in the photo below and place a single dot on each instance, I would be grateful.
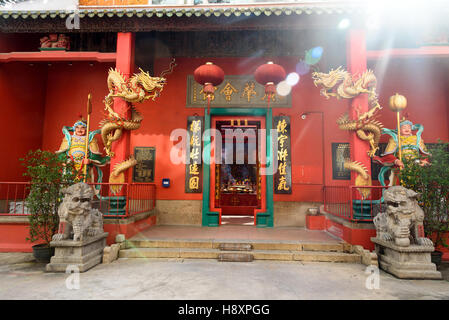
(412, 148)
(73, 149)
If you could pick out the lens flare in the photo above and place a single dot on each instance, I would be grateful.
(344, 24)
(373, 22)
(283, 88)
(302, 68)
(313, 55)
(292, 79)
(317, 52)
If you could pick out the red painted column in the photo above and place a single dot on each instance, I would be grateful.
(125, 64)
(356, 62)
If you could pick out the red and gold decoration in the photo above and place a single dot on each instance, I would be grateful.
(89, 111)
(80, 147)
(194, 154)
(236, 91)
(269, 75)
(55, 42)
(403, 143)
(341, 84)
(209, 76)
(397, 103)
(137, 89)
(283, 176)
(237, 177)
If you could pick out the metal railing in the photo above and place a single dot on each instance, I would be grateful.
(12, 198)
(347, 202)
(113, 200)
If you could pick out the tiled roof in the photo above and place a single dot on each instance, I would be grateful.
(189, 11)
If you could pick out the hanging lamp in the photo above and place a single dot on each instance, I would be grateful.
(269, 75)
(209, 76)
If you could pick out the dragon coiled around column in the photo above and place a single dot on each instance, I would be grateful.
(341, 84)
(366, 128)
(137, 89)
(363, 178)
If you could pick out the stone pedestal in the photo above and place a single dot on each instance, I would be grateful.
(82, 254)
(412, 262)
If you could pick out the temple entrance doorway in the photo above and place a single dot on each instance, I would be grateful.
(237, 170)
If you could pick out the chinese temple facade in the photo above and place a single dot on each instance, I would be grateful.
(42, 91)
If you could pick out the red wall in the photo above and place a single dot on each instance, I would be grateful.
(423, 81)
(63, 90)
(38, 100)
(15, 42)
(168, 112)
(22, 96)
(66, 98)
(13, 237)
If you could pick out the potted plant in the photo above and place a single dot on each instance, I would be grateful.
(48, 174)
(432, 183)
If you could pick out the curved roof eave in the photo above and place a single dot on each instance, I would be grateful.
(188, 11)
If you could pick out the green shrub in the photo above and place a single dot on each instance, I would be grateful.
(48, 175)
(432, 183)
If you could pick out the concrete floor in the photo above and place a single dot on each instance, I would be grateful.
(170, 279)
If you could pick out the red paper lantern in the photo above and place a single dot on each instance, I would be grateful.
(269, 75)
(209, 75)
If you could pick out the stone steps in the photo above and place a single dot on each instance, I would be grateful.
(281, 255)
(256, 245)
(239, 251)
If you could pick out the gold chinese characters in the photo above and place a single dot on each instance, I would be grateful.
(283, 184)
(193, 165)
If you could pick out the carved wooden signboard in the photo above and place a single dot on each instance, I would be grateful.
(283, 175)
(240, 91)
(194, 172)
(144, 170)
(340, 153)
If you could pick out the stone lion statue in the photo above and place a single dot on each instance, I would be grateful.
(76, 213)
(402, 222)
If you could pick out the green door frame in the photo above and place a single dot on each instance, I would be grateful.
(211, 218)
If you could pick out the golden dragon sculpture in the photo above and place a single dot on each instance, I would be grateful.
(366, 128)
(341, 84)
(137, 89)
(363, 178)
